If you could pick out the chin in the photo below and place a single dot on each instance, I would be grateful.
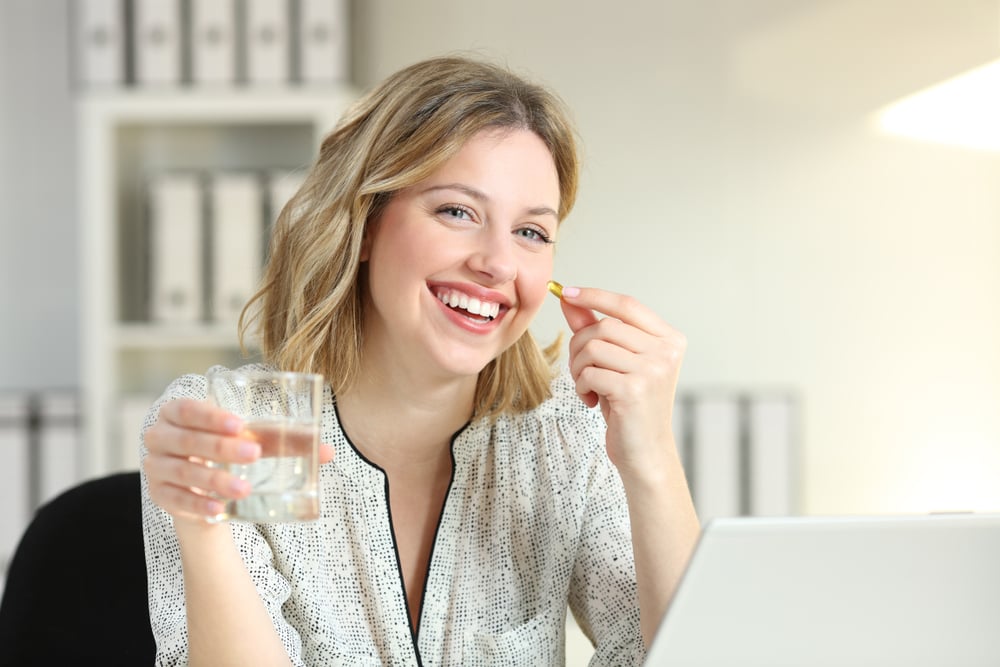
(466, 366)
(467, 370)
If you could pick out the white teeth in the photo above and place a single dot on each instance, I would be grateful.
(457, 299)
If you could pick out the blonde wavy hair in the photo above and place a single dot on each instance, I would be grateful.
(308, 312)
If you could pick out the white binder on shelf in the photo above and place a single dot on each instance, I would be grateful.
(132, 410)
(99, 26)
(157, 39)
(213, 42)
(59, 441)
(176, 247)
(236, 210)
(268, 42)
(772, 469)
(323, 41)
(716, 487)
(15, 487)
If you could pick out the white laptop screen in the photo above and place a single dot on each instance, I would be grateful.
(912, 591)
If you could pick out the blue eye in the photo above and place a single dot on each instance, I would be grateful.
(453, 211)
(533, 234)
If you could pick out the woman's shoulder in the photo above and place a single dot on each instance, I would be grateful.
(561, 431)
(563, 408)
(564, 402)
(195, 385)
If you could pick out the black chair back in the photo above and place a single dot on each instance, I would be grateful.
(76, 587)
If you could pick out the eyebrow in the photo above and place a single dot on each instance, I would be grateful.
(481, 196)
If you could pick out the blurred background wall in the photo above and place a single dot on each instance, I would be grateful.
(734, 180)
(38, 228)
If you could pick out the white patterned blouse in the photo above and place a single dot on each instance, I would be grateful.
(534, 519)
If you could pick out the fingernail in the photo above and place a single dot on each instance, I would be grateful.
(570, 292)
(233, 425)
(248, 450)
(214, 508)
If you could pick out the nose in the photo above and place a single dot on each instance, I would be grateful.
(494, 259)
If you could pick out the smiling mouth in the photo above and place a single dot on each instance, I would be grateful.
(471, 307)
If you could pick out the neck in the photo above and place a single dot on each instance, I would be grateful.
(401, 422)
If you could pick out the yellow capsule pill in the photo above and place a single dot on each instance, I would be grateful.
(555, 288)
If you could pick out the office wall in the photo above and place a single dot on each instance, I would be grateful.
(732, 181)
(38, 248)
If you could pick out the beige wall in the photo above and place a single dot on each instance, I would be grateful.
(734, 182)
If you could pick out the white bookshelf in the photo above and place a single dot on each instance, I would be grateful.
(123, 137)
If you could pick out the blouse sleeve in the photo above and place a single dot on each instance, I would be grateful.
(603, 594)
(167, 611)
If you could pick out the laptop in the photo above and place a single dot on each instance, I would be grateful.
(907, 591)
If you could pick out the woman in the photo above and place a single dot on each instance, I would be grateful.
(470, 491)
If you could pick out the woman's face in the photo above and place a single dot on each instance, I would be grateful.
(458, 263)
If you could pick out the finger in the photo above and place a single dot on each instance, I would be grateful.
(164, 438)
(622, 306)
(612, 385)
(579, 319)
(659, 365)
(186, 474)
(598, 354)
(190, 500)
(185, 502)
(614, 331)
(200, 415)
(576, 317)
(325, 453)
(589, 398)
(601, 353)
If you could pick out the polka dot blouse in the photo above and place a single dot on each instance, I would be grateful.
(534, 521)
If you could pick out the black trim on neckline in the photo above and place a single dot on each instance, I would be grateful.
(437, 528)
(402, 582)
(414, 630)
(340, 426)
(392, 534)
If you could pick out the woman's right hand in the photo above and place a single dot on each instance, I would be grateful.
(188, 434)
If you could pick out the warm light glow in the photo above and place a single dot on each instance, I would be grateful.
(964, 111)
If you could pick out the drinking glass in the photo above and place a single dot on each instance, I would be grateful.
(281, 412)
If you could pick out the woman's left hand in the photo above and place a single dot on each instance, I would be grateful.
(628, 362)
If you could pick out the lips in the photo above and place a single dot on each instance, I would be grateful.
(473, 306)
